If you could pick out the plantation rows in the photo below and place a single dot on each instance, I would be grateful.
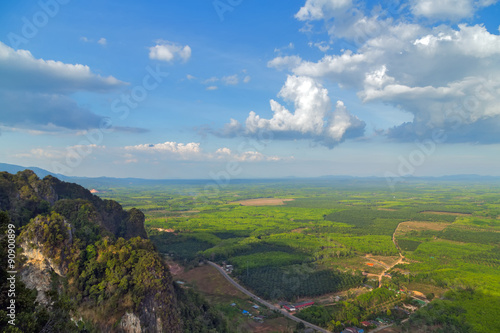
(468, 236)
(369, 221)
(289, 283)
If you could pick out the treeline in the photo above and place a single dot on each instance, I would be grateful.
(182, 247)
(462, 310)
(470, 236)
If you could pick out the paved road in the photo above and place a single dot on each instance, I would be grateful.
(269, 305)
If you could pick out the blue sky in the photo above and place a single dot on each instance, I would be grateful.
(243, 89)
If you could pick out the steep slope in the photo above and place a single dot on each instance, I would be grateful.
(85, 264)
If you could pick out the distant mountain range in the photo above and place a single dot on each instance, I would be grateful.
(91, 182)
(12, 168)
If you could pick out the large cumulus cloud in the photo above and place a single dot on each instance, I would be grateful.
(312, 117)
(447, 77)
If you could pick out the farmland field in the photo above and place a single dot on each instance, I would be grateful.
(290, 241)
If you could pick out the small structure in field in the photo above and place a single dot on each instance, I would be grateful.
(303, 304)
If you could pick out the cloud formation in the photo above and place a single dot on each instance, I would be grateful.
(169, 51)
(452, 10)
(20, 70)
(35, 93)
(311, 119)
(436, 73)
(193, 151)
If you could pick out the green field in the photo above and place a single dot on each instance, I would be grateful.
(322, 241)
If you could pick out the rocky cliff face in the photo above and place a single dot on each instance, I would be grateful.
(130, 323)
(36, 274)
(90, 252)
(91, 265)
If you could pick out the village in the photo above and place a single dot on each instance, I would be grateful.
(404, 308)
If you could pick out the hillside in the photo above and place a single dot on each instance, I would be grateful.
(85, 264)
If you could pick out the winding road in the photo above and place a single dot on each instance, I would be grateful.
(269, 305)
(298, 320)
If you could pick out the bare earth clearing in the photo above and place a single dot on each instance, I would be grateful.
(444, 213)
(262, 202)
(163, 230)
(405, 227)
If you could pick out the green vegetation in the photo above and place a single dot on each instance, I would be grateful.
(290, 282)
(462, 310)
(363, 307)
(322, 241)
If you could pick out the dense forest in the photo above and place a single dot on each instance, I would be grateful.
(99, 271)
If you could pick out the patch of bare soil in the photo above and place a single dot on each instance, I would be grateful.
(405, 227)
(444, 213)
(163, 230)
(262, 202)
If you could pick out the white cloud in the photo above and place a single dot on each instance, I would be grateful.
(448, 9)
(311, 105)
(286, 62)
(57, 153)
(102, 41)
(321, 9)
(211, 80)
(190, 77)
(230, 80)
(180, 149)
(20, 70)
(290, 46)
(322, 46)
(193, 151)
(312, 117)
(35, 93)
(340, 121)
(426, 71)
(168, 51)
(247, 156)
(223, 151)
